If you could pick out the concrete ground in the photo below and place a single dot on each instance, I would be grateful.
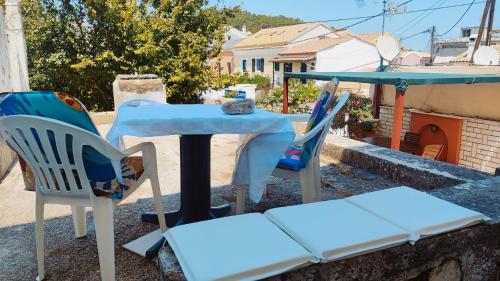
(68, 258)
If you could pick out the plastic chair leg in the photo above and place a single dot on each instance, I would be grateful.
(240, 199)
(155, 185)
(39, 240)
(317, 180)
(307, 184)
(79, 221)
(103, 220)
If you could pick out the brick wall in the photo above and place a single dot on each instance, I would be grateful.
(385, 125)
(480, 147)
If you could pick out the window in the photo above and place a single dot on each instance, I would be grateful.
(287, 67)
(260, 65)
(244, 65)
(313, 66)
(466, 32)
(276, 66)
(229, 68)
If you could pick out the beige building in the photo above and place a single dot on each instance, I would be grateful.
(254, 55)
(469, 110)
(348, 53)
(226, 63)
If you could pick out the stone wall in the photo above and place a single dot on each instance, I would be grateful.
(7, 156)
(480, 147)
(5, 83)
(385, 125)
(470, 253)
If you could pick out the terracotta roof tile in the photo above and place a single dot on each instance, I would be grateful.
(275, 37)
(315, 46)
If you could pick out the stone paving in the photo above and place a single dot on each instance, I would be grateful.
(68, 258)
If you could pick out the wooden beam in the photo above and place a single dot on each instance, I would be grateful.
(377, 98)
(481, 29)
(490, 22)
(285, 96)
(397, 120)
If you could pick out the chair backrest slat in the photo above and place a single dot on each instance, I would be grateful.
(62, 107)
(342, 99)
(432, 151)
(44, 144)
(26, 140)
(52, 160)
(412, 138)
(61, 143)
(22, 150)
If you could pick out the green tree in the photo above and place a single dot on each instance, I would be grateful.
(79, 46)
(255, 22)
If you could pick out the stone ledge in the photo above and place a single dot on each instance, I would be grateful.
(471, 253)
(467, 254)
(403, 167)
(482, 196)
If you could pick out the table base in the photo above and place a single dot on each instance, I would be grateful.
(176, 217)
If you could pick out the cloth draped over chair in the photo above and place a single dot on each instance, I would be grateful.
(297, 157)
(65, 108)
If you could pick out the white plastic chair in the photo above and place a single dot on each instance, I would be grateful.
(58, 183)
(309, 176)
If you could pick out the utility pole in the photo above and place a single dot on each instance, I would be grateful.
(490, 22)
(381, 68)
(481, 28)
(433, 36)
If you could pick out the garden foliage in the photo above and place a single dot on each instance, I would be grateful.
(79, 46)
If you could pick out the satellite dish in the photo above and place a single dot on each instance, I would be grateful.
(486, 55)
(387, 47)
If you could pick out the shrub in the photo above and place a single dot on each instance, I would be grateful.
(263, 82)
(300, 97)
(358, 107)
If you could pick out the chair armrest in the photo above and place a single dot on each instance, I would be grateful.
(300, 140)
(324, 124)
(148, 155)
(298, 117)
(309, 135)
(142, 147)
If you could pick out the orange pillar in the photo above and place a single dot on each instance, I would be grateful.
(397, 120)
(285, 96)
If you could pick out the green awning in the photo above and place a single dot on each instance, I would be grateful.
(399, 79)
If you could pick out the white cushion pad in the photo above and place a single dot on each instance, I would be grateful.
(245, 247)
(417, 212)
(336, 229)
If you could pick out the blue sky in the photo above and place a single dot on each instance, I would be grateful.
(399, 25)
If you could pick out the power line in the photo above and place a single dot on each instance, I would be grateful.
(377, 15)
(413, 35)
(398, 13)
(461, 17)
(412, 23)
(356, 23)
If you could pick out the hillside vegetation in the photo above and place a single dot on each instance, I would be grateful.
(256, 22)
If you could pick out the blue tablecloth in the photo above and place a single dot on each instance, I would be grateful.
(257, 156)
